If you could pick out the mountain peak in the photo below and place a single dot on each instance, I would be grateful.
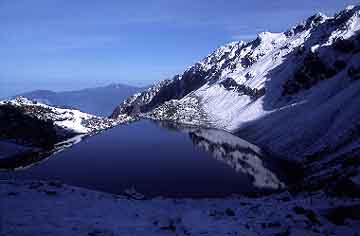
(350, 7)
(347, 13)
(317, 17)
(268, 36)
(277, 76)
(311, 22)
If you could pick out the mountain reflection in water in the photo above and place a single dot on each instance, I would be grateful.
(239, 154)
(155, 158)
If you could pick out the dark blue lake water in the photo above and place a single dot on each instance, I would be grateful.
(162, 159)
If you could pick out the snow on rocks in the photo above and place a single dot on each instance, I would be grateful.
(31, 131)
(287, 89)
(52, 208)
(188, 111)
(69, 119)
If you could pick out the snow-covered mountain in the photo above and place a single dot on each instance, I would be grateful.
(71, 120)
(296, 93)
(99, 101)
(31, 130)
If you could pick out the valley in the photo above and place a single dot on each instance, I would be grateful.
(260, 137)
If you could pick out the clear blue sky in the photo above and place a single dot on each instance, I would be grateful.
(68, 44)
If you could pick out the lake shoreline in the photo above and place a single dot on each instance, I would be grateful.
(163, 159)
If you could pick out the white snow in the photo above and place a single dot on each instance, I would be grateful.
(73, 121)
(313, 120)
(40, 208)
(289, 125)
(69, 119)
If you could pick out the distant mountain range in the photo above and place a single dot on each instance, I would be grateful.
(98, 101)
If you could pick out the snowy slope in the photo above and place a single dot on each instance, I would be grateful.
(295, 93)
(51, 208)
(69, 119)
(31, 131)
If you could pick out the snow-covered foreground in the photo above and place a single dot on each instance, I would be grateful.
(51, 208)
